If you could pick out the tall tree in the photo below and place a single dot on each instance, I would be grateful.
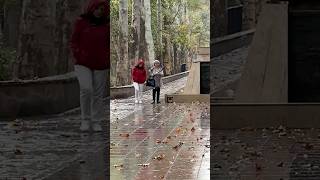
(148, 33)
(11, 21)
(136, 16)
(123, 72)
(159, 22)
(45, 28)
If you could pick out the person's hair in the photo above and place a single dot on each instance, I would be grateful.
(138, 65)
(94, 20)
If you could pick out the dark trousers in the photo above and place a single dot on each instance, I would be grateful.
(154, 91)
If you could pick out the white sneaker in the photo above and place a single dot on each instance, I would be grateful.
(140, 102)
(136, 101)
(97, 127)
(84, 125)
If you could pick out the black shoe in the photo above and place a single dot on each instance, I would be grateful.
(158, 102)
(153, 102)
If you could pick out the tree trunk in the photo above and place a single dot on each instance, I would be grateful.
(168, 56)
(148, 33)
(123, 73)
(175, 58)
(137, 5)
(45, 28)
(12, 13)
(159, 19)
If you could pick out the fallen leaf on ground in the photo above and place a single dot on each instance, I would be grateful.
(178, 130)
(216, 167)
(158, 141)
(193, 129)
(144, 165)
(165, 142)
(258, 167)
(234, 168)
(65, 135)
(138, 155)
(177, 146)
(124, 135)
(159, 157)
(308, 146)
(82, 161)
(280, 164)
(18, 152)
(282, 134)
(307, 165)
(118, 165)
(225, 150)
(254, 153)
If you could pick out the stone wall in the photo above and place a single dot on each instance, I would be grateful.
(219, 15)
(251, 12)
(52, 95)
(219, 19)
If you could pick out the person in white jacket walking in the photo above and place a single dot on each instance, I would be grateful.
(157, 72)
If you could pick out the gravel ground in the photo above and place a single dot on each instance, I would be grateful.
(227, 68)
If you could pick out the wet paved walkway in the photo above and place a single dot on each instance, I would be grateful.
(53, 147)
(39, 148)
(169, 141)
(120, 108)
(266, 154)
(158, 141)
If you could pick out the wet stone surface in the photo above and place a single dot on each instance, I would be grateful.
(120, 108)
(273, 153)
(54, 148)
(37, 148)
(167, 141)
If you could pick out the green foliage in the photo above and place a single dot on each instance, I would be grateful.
(7, 56)
(186, 23)
(190, 28)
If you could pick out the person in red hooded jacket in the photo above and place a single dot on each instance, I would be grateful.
(139, 77)
(90, 43)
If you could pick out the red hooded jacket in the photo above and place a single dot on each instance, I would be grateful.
(139, 75)
(90, 43)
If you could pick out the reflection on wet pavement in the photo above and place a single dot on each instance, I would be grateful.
(38, 148)
(121, 108)
(169, 141)
(53, 147)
